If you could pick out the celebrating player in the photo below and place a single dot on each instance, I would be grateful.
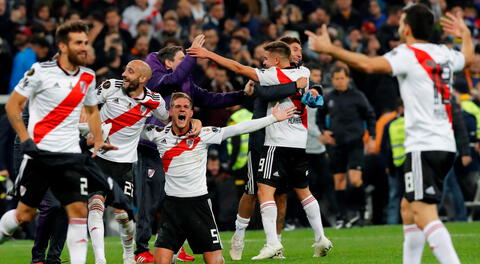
(283, 160)
(424, 71)
(186, 211)
(126, 105)
(57, 90)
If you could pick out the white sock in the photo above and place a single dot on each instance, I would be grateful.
(241, 225)
(268, 211)
(312, 209)
(77, 240)
(414, 241)
(440, 242)
(279, 237)
(97, 229)
(8, 225)
(127, 233)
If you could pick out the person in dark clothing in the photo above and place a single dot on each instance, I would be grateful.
(342, 122)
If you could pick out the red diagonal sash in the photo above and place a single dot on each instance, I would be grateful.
(434, 71)
(64, 109)
(296, 98)
(177, 151)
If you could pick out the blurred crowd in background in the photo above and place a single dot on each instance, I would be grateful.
(122, 30)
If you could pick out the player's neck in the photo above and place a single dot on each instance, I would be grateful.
(411, 40)
(137, 93)
(284, 64)
(66, 64)
(180, 131)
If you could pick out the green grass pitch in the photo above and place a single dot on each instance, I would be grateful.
(375, 244)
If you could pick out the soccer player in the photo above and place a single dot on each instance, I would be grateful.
(57, 90)
(424, 71)
(256, 142)
(186, 211)
(284, 161)
(126, 105)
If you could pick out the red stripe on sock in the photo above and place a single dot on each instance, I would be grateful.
(433, 229)
(97, 207)
(78, 221)
(411, 229)
(308, 200)
(267, 204)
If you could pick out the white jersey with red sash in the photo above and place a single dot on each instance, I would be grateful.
(56, 97)
(424, 72)
(291, 133)
(127, 116)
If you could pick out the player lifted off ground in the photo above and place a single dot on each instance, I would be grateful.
(126, 105)
(424, 71)
(284, 161)
(186, 211)
(57, 90)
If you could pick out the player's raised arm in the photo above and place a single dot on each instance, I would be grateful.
(247, 71)
(322, 44)
(455, 26)
(277, 115)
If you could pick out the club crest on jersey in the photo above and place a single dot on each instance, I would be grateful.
(83, 86)
(150, 173)
(190, 143)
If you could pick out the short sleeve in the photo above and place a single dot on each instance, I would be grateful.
(151, 133)
(103, 89)
(267, 76)
(212, 135)
(91, 98)
(458, 60)
(161, 111)
(398, 59)
(30, 82)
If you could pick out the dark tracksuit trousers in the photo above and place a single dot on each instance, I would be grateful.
(149, 181)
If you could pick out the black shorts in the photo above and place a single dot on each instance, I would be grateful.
(283, 168)
(424, 175)
(346, 157)
(191, 219)
(35, 179)
(121, 173)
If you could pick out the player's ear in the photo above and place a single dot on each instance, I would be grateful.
(168, 64)
(62, 47)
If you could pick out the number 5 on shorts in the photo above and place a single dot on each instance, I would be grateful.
(214, 235)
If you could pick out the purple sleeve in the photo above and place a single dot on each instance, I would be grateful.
(204, 98)
(180, 74)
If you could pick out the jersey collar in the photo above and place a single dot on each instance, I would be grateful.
(65, 71)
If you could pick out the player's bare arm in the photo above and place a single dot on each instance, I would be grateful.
(14, 110)
(455, 25)
(278, 115)
(322, 44)
(203, 53)
(96, 130)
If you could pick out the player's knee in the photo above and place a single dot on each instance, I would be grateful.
(121, 218)
(96, 204)
(25, 216)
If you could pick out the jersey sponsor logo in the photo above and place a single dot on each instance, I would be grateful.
(61, 111)
(177, 151)
(150, 173)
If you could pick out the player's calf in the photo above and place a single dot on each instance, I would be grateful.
(214, 257)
